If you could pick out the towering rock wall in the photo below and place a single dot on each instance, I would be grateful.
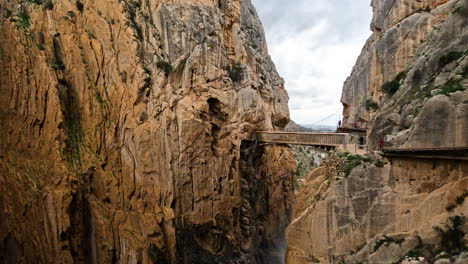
(122, 128)
(401, 33)
(384, 214)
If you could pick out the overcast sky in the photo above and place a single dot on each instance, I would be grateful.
(315, 44)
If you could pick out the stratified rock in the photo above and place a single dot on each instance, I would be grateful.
(123, 128)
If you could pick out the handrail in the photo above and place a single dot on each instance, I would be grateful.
(304, 138)
(301, 133)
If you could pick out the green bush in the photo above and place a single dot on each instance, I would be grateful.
(461, 199)
(48, 4)
(379, 164)
(352, 161)
(393, 86)
(236, 72)
(298, 169)
(79, 6)
(312, 161)
(390, 87)
(452, 238)
(370, 104)
(450, 57)
(413, 254)
(450, 87)
(450, 207)
(387, 240)
(22, 21)
(165, 66)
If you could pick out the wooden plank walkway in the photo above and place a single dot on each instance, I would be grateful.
(303, 138)
(454, 153)
(348, 142)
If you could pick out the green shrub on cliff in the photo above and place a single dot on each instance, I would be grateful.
(165, 66)
(79, 6)
(22, 21)
(450, 87)
(236, 72)
(452, 236)
(393, 86)
(370, 104)
(48, 4)
(451, 56)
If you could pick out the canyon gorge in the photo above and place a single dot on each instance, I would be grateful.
(126, 137)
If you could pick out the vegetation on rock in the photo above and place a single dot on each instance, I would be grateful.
(79, 6)
(393, 86)
(22, 21)
(236, 72)
(451, 57)
(164, 66)
(370, 104)
(452, 235)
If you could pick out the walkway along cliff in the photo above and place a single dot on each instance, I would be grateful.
(122, 134)
(409, 86)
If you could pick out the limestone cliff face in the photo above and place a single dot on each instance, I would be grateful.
(377, 215)
(122, 128)
(410, 82)
(409, 36)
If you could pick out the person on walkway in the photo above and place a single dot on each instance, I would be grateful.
(381, 143)
(339, 123)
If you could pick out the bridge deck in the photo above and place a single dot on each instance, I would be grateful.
(303, 138)
(453, 153)
(347, 141)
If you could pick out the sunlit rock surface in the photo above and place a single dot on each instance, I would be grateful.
(122, 128)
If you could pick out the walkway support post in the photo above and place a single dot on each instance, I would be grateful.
(345, 142)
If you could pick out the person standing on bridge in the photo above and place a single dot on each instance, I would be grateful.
(339, 123)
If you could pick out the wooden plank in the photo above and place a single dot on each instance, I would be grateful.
(426, 156)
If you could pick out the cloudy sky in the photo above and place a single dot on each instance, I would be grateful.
(314, 44)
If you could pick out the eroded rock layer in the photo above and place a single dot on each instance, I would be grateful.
(121, 130)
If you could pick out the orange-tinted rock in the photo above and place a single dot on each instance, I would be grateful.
(121, 134)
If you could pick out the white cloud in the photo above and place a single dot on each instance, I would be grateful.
(314, 45)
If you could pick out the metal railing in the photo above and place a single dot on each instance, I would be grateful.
(305, 138)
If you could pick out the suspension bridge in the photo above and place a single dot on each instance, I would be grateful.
(322, 140)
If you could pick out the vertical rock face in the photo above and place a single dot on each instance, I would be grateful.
(410, 82)
(377, 215)
(122, 134)
(408, 36)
